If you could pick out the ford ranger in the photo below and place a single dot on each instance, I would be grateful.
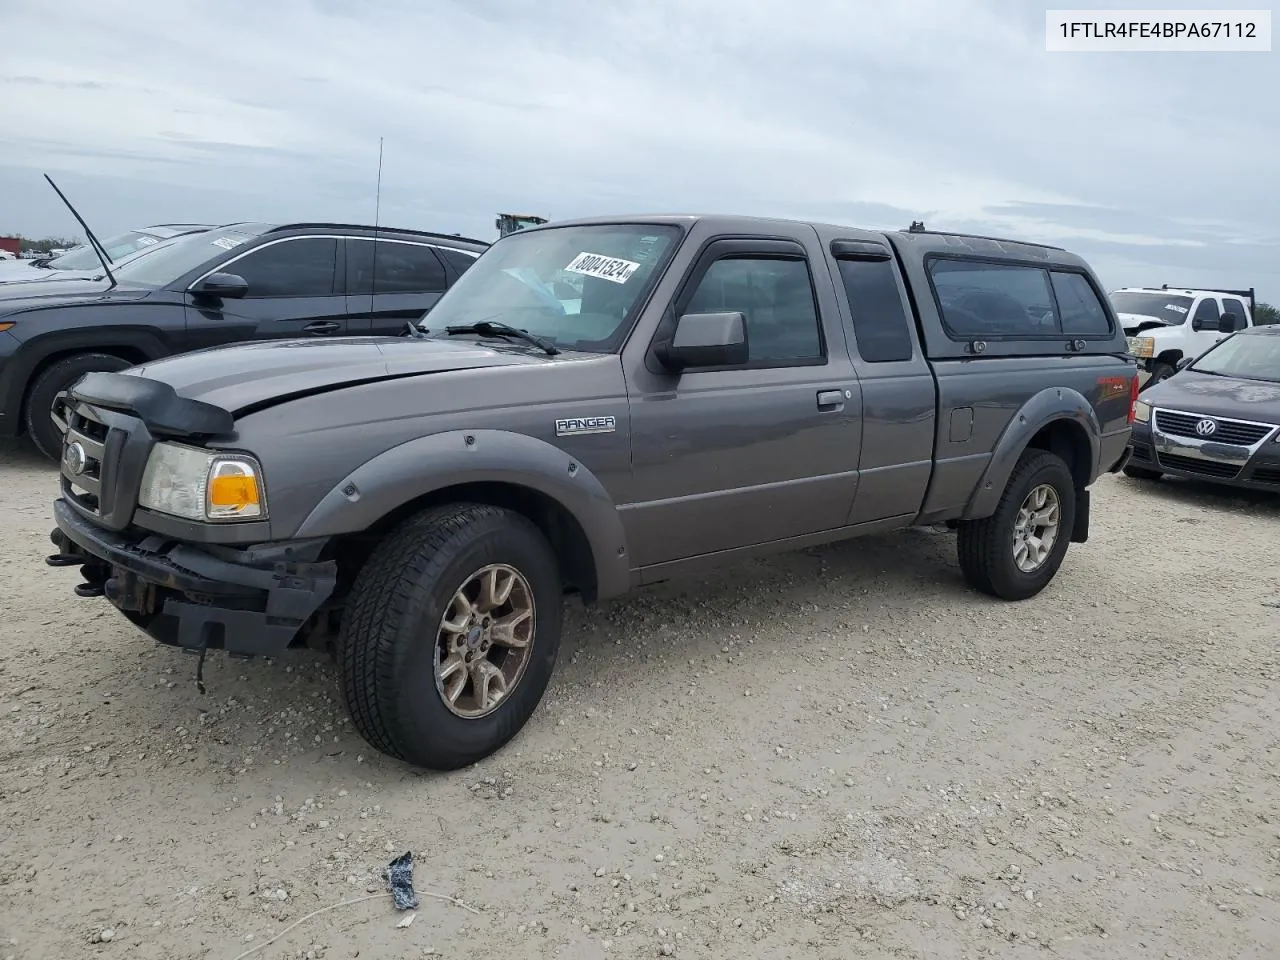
(596, 405)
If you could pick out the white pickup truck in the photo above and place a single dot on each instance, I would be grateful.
(1165, 325)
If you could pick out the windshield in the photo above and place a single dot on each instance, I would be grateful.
(182, 255)
(1171, 308)
(575, 286)
(83, 257)
(1247, 356)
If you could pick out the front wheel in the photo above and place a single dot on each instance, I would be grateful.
(1159, 371)
(1015, 552)
(45, 410)
(451, 634)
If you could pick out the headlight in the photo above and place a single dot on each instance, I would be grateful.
(202, 484)
(1142, 411)
(1142, 346)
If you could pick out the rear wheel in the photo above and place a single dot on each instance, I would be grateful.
(1015, 552)
(451, 634)
(45, 413)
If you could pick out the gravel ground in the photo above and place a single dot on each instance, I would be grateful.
(834, 753)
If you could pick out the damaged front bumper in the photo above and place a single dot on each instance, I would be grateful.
(252, 601)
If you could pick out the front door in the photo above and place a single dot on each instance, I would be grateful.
(293, 292)
(734, 457)
(1204, 326)
(390, 283)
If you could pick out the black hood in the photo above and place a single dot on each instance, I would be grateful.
(15, 297)
(1217, 396)
(245, 375)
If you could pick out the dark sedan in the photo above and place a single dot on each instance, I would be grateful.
(1217, 418)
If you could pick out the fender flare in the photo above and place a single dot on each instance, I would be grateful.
(1050, 404)
(424, 465)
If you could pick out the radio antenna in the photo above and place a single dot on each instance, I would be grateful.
(377, 217)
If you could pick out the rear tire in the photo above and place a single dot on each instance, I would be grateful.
(988, 549)
(45, 434)
(411, 639)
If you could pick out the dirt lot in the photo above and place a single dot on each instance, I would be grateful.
(838, 753)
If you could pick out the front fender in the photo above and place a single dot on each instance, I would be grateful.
(426, 464)
(30, 352)
(1052, 403)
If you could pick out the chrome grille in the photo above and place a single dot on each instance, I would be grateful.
(1236, 432)
(83, 448)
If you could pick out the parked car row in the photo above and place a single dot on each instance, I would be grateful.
(210, 286)
(1210, 407)
(83, 261)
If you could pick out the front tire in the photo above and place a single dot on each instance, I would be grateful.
(1014, 553)
(451, 634)
(42, 419)
(1159, 371)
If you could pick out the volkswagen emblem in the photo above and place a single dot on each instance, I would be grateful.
(1206, 427)
(75, 458)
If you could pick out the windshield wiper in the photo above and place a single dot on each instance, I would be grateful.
(488, 328)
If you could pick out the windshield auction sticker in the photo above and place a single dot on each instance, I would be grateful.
(606, 268)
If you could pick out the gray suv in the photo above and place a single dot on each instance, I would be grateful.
(597, 405)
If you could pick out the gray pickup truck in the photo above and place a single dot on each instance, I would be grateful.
(596, 405)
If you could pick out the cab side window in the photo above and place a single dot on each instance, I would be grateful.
(1206, 315)
(776, 297)
(880, 323)
(291, 268)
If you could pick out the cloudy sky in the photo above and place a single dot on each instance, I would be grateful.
(1157, 167)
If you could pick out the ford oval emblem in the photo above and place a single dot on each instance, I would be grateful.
(1206, 427)
(75, 458)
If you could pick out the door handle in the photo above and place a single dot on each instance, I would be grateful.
(323, 326)
(831, 400)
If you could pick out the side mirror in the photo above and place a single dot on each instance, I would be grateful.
(1184, 362)
(222, 285)
(706, 340)
(1226, 323)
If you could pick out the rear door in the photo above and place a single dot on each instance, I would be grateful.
(1237, 310)
(391, 282)
(293, 292)
(899, 398)
(734, 457)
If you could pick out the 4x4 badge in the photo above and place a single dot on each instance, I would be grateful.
(574, 426)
